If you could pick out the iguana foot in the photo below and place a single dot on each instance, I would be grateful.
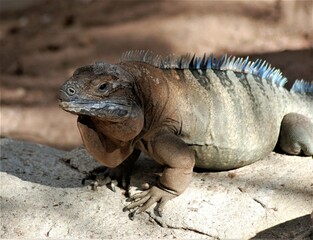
(119, 176)
(142, 201)
(296, 135)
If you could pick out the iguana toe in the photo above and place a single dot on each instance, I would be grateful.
(142, 201)
(113, 176)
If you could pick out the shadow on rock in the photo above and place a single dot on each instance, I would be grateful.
(298, 228)
(37, 163)
(56, 168)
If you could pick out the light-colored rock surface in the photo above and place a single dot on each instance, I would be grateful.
(42, 196)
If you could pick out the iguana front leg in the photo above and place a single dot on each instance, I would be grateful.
(112, 155)
(109, 152)
(179, 160)
(119, 175)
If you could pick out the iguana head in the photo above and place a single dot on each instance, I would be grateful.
(100, 90)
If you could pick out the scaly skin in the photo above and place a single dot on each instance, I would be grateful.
(214, 119)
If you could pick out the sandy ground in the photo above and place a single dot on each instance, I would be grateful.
(42, 45)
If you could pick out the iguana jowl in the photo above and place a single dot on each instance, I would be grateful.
(185, 112)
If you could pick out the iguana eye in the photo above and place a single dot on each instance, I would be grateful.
(71, 91)
(103, 87)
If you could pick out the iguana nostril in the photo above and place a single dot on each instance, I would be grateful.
(71, 91)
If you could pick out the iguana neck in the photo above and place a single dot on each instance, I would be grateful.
(153, 93)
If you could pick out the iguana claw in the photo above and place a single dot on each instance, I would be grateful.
(114, 176)
(142, 201)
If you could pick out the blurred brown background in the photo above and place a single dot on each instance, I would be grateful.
(43, 41)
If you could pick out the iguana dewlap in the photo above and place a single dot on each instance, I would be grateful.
(186, 112)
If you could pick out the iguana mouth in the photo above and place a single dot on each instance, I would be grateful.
(101, 109)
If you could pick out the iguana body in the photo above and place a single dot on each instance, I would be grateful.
(187, 112)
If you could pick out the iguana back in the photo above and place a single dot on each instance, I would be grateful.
(228, 111)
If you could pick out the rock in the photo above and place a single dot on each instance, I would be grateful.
(42, 196)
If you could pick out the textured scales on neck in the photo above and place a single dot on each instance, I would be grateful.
(259, 68)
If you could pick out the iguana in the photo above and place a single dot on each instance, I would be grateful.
(184, 112)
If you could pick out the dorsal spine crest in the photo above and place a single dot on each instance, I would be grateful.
(259, 68)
